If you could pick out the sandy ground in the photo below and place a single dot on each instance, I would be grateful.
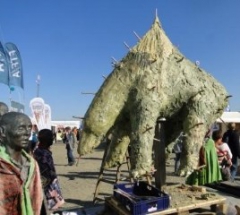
(78, 182)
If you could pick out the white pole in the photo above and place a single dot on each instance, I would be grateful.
(38, 84)
(10, 98)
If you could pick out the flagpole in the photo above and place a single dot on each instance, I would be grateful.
(38, 85)
(11, 89)
(10, 98)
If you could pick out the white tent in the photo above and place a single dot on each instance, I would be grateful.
(228, 117)
(64, 124)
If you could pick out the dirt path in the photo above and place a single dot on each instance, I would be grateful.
(77, 182)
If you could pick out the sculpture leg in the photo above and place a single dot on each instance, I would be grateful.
(195, 130)
(143, 131)
(119, 143)
(117, 150)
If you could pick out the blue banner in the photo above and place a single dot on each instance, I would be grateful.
(15, 65)
(4, 77)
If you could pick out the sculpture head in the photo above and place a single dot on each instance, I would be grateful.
(15, 130)
(89, 138)
(3, 108)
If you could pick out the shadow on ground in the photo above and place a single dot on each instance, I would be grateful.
(87, 175)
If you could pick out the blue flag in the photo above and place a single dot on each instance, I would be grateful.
(4, 75)
(15, 65)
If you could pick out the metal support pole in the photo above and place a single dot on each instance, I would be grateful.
(38, 85)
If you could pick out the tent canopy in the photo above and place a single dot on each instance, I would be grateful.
(228, 117)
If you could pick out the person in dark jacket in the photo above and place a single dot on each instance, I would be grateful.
(231, 137)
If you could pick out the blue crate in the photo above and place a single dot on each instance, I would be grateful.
(150, 199)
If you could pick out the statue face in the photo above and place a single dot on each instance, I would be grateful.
(17, 132)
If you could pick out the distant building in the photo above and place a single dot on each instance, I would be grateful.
(63, 124)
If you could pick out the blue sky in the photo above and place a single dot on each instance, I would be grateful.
(69, 43)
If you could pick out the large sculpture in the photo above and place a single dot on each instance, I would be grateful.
(153, 81)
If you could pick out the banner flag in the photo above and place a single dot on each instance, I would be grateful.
(15, 65)
(47, 115)
(37, 107)
(17, 107)
(4, 75)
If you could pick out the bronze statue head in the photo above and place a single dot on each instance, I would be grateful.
(15, 130)
(3, 108)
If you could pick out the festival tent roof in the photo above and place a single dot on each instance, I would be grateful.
(228, 117)
(62, 124)
(66, 123)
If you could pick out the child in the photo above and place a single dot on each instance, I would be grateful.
(224, 155)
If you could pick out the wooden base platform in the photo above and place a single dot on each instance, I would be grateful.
(232, 188)
(183, 201)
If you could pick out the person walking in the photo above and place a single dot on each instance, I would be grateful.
(43, 156)
(231, 137)
(21, 189)
(76, 132)
(177, 149)
(70, 141)
(33, 138)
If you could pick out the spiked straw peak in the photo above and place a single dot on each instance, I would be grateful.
(155, 41)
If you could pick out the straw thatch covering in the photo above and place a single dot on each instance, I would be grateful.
(153, 80)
